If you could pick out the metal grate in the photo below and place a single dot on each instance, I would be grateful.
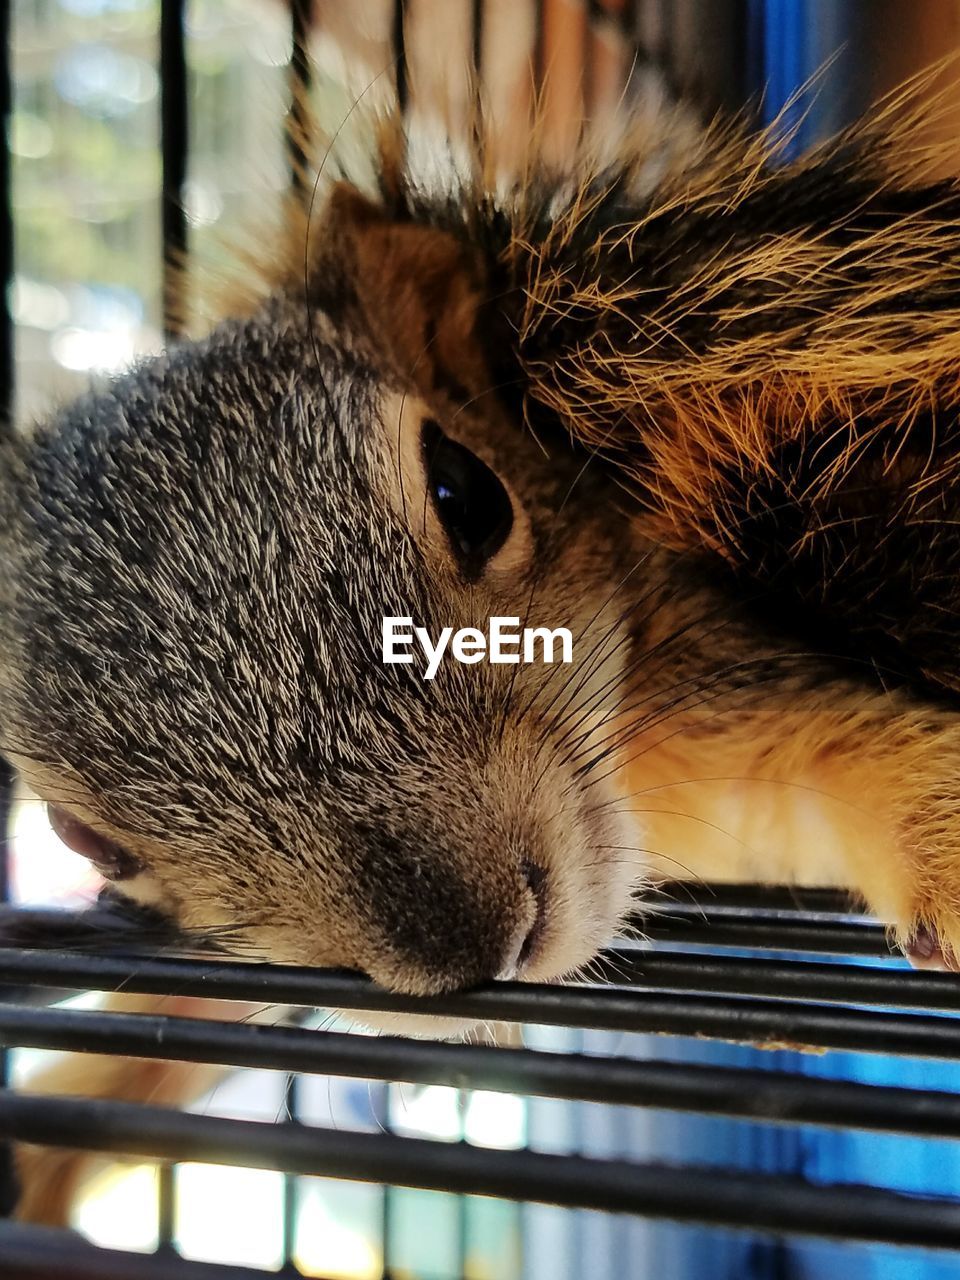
(663, 990)
(821, 995)
(821, 1004)
(6, 409)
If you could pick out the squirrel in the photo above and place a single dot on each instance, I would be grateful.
(705, 423)
(696, 404)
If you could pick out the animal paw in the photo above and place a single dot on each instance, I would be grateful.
(925, 949)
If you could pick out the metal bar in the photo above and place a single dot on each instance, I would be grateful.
(40, 1253)
(781, 1097)
(741, 1020)
(8, 1188)
(400, 55)
(752, 1202)
(8, 1180)
(296, 124)
(693, 893)
(661, 969)
(174, 144)
(166, 1208)
(462, 1231)
(781, 979)
(6, 227)
(832, 937)
(385, 1120)
(291, 1196)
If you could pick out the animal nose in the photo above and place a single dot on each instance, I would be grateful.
(444, 922)
(525, 944)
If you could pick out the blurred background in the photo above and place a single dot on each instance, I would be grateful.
(86, 170)
(87, 298)
(85, 140)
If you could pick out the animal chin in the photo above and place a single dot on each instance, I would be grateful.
(110, 859)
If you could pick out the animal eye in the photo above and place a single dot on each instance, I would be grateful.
(472, 504)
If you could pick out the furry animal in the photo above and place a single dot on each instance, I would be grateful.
(706, 421)
(697, 405)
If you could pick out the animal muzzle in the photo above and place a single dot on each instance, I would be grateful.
(441, 930)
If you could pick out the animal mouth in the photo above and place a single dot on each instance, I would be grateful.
(111, 859)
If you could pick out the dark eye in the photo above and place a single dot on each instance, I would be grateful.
(471, 502)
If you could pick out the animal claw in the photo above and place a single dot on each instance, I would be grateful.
(925, 950)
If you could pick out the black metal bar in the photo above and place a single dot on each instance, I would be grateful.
(8, 1189)
(40, 1253)
(166, 1208)
(780, 1097)
(6, 228)
(385, 1120)
(781, 979)
(693, 893)
(751, 1202)
(659, 969)
(291, 1186)
(400, 55)
(463, 1241)
(296, 124)
(174, 144)
(741, 1020)
(8, 1180)
(745, 932)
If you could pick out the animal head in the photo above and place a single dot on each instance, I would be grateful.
(198, 562)
(698, 410)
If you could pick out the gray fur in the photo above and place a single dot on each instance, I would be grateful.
(197, 561)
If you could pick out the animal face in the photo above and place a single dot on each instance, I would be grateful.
(199, 562)
(590, 411)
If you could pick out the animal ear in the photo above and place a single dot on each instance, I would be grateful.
(419, 290)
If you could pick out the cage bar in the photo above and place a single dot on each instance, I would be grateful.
(7, 1179)
(751, 1202)
(737, 1019)
(401, 71)
(776, 1098)
(6, 226)
(300, 78)
(174, 151)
